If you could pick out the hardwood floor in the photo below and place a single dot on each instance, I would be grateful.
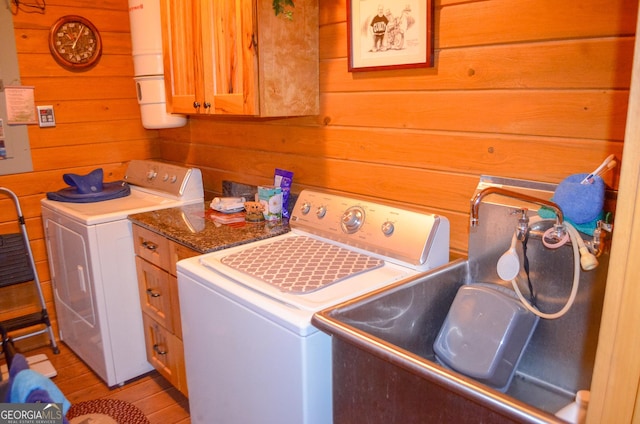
(159, 400)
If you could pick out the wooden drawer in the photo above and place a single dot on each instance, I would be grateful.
(151, 246)
(156, 294)
(165, 353)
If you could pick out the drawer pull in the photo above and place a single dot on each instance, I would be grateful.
(149, 245)
(156, 348)
(152, 293)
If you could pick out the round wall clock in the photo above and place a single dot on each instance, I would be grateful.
(75, 42)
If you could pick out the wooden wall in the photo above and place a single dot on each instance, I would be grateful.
(533, 89)
(530, 89)
(97, 114)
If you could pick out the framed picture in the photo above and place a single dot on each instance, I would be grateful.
(389, 34)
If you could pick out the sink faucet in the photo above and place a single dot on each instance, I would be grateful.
(477, 198)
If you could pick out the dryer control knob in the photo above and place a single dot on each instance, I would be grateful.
(151, 174)
(387, 228)
(305, 208)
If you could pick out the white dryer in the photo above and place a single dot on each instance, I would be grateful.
(93, 271)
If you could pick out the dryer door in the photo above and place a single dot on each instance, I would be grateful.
(70, 270)
(74, 290)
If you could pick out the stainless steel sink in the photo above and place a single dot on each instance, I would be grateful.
(384, 367)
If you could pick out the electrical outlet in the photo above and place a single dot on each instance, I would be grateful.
(46, 117)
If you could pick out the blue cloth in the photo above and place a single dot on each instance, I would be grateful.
(28, 386)
(580, 203)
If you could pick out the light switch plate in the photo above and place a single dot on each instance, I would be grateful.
(46, 117)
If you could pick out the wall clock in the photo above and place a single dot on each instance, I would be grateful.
(75, 43)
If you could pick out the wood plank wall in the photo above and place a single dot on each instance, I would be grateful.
(98, 121)
(533, 89)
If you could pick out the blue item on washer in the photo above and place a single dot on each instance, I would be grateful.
(89, 188)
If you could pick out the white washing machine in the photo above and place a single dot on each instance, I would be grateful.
(251, 352)
(93, 272)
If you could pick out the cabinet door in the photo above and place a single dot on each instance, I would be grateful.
(289, 60)
(182, 44)
(230, 56)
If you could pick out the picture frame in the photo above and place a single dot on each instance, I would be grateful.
(386, 34)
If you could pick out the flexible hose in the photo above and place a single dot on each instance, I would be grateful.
(547, 237)
(573, 236)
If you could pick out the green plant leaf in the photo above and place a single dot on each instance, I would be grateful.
(279, 7)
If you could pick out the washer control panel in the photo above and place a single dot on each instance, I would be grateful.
(408, 237)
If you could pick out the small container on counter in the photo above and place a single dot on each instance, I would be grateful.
(271, 199)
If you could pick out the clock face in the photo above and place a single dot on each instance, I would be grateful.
(75, 43)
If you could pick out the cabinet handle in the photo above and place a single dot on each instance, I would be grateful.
(207, 105)
(149, 245)
(196, 105)
(152, 293)
(156, 348)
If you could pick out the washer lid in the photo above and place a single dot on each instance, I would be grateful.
(375, 274)
(301, 264)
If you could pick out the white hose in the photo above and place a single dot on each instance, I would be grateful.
(573, 236)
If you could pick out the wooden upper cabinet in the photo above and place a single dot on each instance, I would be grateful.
(226, 57)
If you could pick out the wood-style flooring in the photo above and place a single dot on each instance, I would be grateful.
(157, 398)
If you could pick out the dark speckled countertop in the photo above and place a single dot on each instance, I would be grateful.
(191, 226)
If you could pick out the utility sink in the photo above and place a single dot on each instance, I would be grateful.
(384, 366)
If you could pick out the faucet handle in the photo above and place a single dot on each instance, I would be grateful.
(523, 224)
(599, 235)
(602, 225)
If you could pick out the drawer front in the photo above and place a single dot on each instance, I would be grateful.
(151, 246)
(165, 353)
(155, 293)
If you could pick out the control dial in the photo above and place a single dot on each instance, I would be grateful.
(321, 211)
(352, 219)
(387, 228)
(305, 208)
(151, 174)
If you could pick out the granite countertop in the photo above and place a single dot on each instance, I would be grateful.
(191, 226)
